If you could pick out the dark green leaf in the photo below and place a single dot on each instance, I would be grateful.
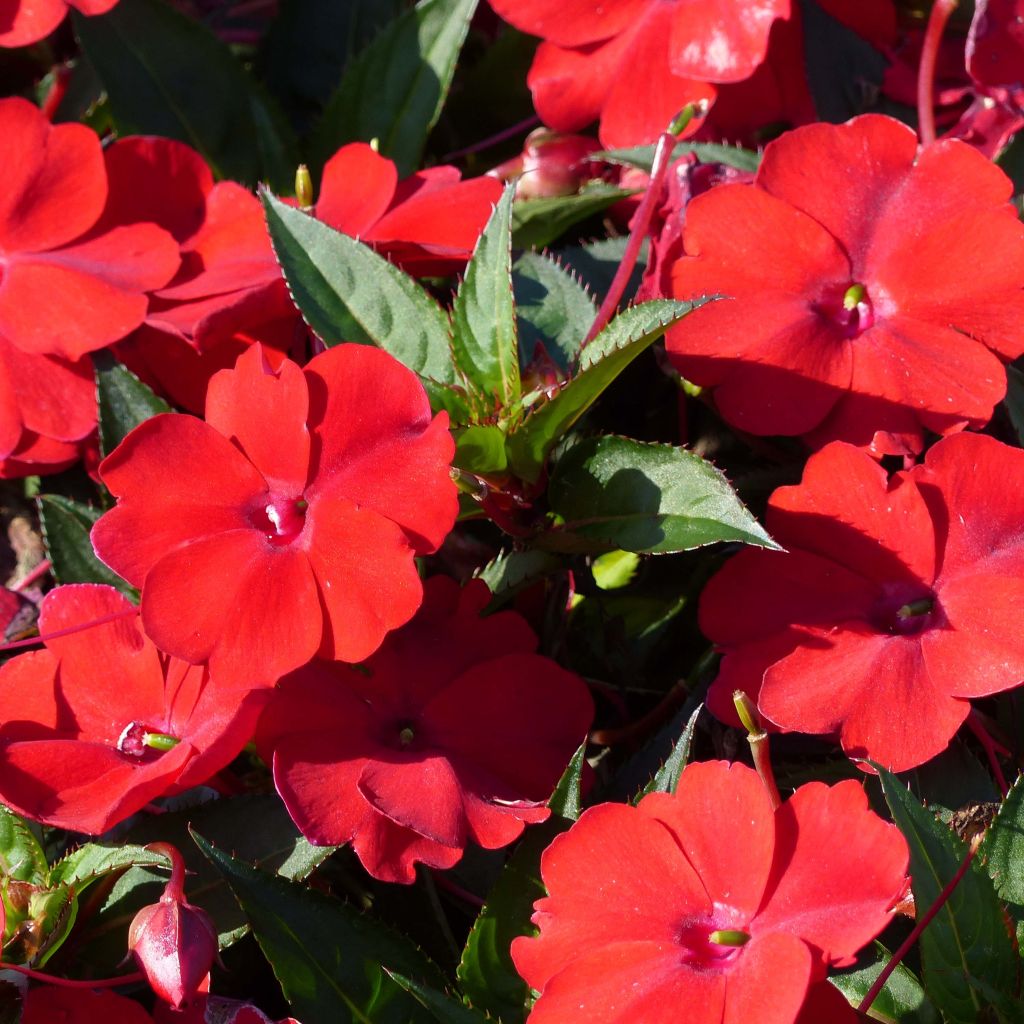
(328, 958)
(486, 973)
(596, 264)
(902, 999)
(66, 525)
(626, 337)
(21, 856)
(615, 492)
(1003, 847)
(566, 801)
(483, 316)
(444, 1009)
(642, 157)
(666, 778)
(480, 449)
(511, 571)
(1015, 398)
(168, 75)
(553, 309)
(394, 90)
(124, 401)
(968, 936)
(538, 222)
(346, 292)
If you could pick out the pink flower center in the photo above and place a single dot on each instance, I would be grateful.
(903, 609)
(849, 309)
(280, 519)
(141, 742)
(713, 942)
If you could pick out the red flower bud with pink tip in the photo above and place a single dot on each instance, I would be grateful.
(174, 943)
(550, 164)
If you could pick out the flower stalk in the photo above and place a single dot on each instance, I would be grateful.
(758, 740)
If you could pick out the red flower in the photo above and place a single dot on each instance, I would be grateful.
(457, 731)
(101, 723)
(710, 900)
(72, 279)
(637, 63)
(23, 22)
(895, 603)
(49, 1004)
(427, 224)
(287, 523)
(850, 315)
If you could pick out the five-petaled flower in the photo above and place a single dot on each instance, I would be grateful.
(849, 313)
(287, 523)
(455, 731)
(709, 899)
(894, 604)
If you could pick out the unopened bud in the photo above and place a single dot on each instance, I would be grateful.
(747, 711)
(304, 187)
(174, 943)
(550, 165)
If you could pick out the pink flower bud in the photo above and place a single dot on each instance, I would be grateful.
(551, 165)
(174, 943)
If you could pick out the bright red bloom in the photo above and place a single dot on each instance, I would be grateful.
(82, 717)
(73, 280)
(895, 602)
(23, 22)
(427, 224)
(850, 315)
(639, 898)
(456, 731)
(50, 1005)
(637, 63)
(287, 523)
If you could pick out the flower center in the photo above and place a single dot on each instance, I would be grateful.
(711, 942)
(280, 519)
(850, 310)
(903, 610)
(140, 742)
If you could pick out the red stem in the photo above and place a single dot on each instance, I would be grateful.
(991, 749)
(32, 575)
(81, 627)
(941, 10)
(493, 140)
(51, 979)
(174, 891)
(641, 225)
(922, 923)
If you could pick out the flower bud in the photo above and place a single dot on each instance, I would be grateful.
(550, 165)
(174, 943)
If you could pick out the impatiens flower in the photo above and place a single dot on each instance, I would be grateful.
(455, 731)
(71, 281)
(895, 603)
(23, 22)
(707, 905)
(851, 313)
(52, 1005)
(287, 523)
(636, 63)
(100, 723)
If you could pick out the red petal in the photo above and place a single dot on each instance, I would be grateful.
(212, 491)
(995, 43)
(570, 87)
(378, 445)
(839, 869)
(53, 185)
(248, 607)
(770, 980)
(357, 189)
(571, 22)
(264, 412)
(49, 1004)
(22, 24)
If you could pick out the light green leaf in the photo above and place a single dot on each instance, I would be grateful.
(21, 856)
(615, 569)
(480, 449)
(902, 999)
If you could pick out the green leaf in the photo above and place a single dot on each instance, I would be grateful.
(124, 401)
(615, 569)
(902, 999)
(483, 316)
(486, 973)
(168, 75)
(566, 801)
(480, 449)
(615, 492)
(1014, 401)
(394, 90)
(1003, 847)
(553, 309)
(444, 1009)
(80, 868)
(968, 937)
(21, 856)
(512, 571)
(631, 333)
(65, 525)
(329, 959)
(642, 157)
(596, 263)
(346, 292)
(538, 222)
(666, 778)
